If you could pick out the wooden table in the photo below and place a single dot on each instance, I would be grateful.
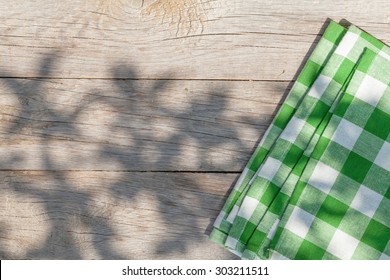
(124, 123)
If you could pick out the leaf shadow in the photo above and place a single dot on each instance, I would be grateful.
(69, 207)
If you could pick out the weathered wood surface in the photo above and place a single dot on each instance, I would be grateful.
(182, 39)
(109, 215)
(123, 123)
(132, 125)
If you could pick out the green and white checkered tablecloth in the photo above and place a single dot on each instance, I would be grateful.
(318, 185)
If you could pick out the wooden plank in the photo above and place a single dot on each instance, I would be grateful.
(110, 215)
(48, 124)
(180, 39)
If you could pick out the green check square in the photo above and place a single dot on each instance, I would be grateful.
(283, 116)
(332, 211)
(333, 29)
(371, 40)
(256, 239)
(269, 194)
(375, 178)
(376, 235)
(297, 192)
(247, 232)
(277, 205)
(318, 113)
(257, 161)
(365, 63)
(378, 124)
(300, 165)
(356, 167)
(387, 194)
(320, 148)
(309, 251)
(343, 105)
(312, 69)
(344, 71)
(293, 154)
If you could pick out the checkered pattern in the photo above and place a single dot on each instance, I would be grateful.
(340, 207)
(258, 243)
(256, 209)
(310, 71)
(295, 138)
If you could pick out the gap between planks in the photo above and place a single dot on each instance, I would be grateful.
(148, 79)
(126, 171)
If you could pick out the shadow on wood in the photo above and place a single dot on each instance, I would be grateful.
(85, 214)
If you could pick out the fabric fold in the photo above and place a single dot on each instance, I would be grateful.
(310, 71)
(262, 217)
(341, 208)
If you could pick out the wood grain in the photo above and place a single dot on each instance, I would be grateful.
(258, 40)
(123, 123)
(109, 215)
(132, 125)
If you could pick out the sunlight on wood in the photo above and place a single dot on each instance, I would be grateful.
(24, 218)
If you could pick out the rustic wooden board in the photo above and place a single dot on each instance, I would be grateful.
(98, 97)
(110, 215)
(180, 39)
(49, 124)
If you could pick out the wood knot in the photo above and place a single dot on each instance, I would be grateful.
(23, 100)
(183, 16)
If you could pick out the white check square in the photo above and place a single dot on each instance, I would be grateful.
(385, 55)
(276, 256)
(219, 219)
(371, 90)
(323, 177)
(299, 222)
(247, 208)
(346, 44)
(383, 157)
(231, 242)
(366, 201)
(342, 245)
(269, 168)
(293, 129)
(241, 179)
(273, 229)
(319, 86)
(232, 214)
(384, 257)
(346, 134)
